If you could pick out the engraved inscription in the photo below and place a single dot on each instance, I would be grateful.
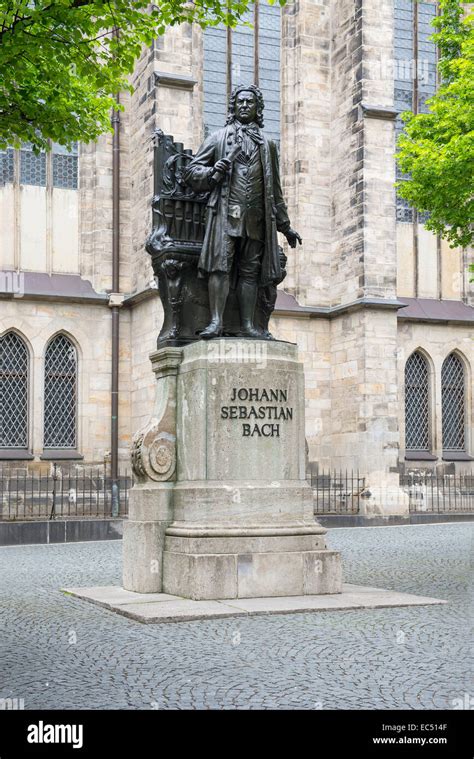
(265, 405)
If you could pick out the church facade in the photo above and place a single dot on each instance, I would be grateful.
(381, 310)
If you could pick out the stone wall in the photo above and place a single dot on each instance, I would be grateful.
(354, 379)
(145, 324)
(364, 393)
(305, 145)
(313, 339)
(437, 341)
(89, 327)
(362, 148)
(95, 172)
(347, 152)
(164, 97)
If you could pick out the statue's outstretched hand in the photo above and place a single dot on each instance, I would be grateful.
(293, 237)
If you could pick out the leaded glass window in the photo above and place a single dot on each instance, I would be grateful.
(243, 51)
(32, 166)
(417, 413)
(58, 168)
(7, 165)
(14, 362)
(269, 66)
(65, 167)
(453, 403)
(60, 394)
(245, 55)
(215, 79)
(414, 70)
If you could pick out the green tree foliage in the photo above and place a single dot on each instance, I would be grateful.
(63, 60)
(437, 148)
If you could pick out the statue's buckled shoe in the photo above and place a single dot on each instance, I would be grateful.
(212, 330)
(250, 331)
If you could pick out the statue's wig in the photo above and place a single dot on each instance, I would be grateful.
(258, 96)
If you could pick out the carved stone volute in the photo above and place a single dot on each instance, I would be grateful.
(154, 445)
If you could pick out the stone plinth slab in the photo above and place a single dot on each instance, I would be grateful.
(160, 607)
(250, 574)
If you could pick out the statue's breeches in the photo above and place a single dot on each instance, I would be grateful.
(248, 257)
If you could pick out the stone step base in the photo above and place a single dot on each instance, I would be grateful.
(154, 608)
(251, 575)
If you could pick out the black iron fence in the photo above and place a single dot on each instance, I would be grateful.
(59, 493)
(340, 492)
(439, 493)
(86, 492)
(336, 492)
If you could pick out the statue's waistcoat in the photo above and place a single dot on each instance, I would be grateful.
(246, 214)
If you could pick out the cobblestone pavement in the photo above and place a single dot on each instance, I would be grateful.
(60, 652)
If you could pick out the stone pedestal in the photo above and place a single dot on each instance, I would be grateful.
(243, 523)
(151, 498)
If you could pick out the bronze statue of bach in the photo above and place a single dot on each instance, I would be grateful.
(238, 166)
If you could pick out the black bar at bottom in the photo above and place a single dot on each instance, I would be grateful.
(369, 733)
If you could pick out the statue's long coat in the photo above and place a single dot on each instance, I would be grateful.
(197, 175)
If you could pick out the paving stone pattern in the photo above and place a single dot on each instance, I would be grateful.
(57, 651)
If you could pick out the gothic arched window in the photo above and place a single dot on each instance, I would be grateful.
(60, 394)
(417, 410)
(14, 365)
(453, 403)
